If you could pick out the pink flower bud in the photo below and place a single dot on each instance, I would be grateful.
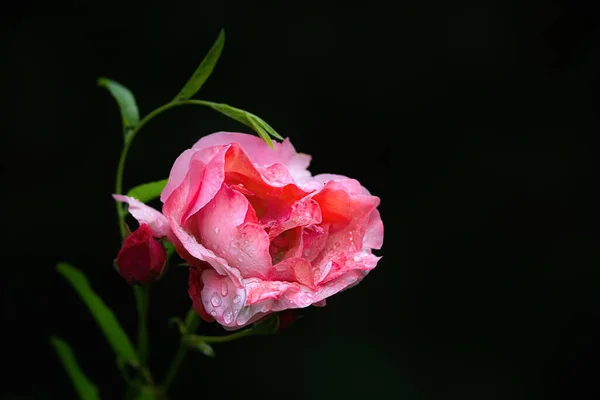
(142, 258)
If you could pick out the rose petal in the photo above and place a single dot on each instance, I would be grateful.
(146, 215)
(373, 237)
(260, 153)
(222, 226)
(219, 298)
(174, 209)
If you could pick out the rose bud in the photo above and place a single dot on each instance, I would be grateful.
(142, 258)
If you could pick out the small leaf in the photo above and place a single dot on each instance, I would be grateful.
(130, 114)
(266, 326)
(84, 387)
(268, 128)
(257, 124)
(195, 342)
(103, 315)
(179, 323)
(204, 69)
(148, 191)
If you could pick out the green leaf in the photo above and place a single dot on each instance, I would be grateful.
(257, 124)
(268, 128)
(179, 324)
(196, 342)
(130, 114)
(84, 387)
(148, 393)
(148, 191)
(204, 69)
(104, 317)
(266, 326)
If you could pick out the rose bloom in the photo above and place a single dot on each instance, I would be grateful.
(260, 233)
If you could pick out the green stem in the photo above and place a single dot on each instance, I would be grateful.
(226, 338)
(191, 324)
(142, 294)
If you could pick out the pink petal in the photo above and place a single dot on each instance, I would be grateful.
(222, 226)
(178, 173)
(186, 243)
(146, 215)
(219, 298)
(260, 153)
(352, 186)
(374, 232)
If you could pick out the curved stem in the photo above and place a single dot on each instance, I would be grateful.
(141, 294)
(226, 338)
(191, 324)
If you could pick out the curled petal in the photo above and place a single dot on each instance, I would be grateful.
(146, 215)
(374, 232)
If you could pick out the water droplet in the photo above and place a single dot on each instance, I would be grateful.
(213, 313)
(223, 289)
(217, 229)
(357, 259)
(280, 268)
(349, 279)
(246, 241)
(228, 316)
(237, 299)
(215, 300)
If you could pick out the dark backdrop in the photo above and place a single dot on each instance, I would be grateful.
(472, 120)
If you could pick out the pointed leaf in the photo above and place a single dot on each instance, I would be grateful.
(204, 70)
(84, 387)
(267, 127)
(196, 342)
(103, 315)
(130, 114)
(257, 124)
(148, 191)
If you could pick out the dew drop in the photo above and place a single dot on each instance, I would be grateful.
(237, 299)
(223, 289)
(217, 229)
(246, 241)
(228, 316)
(213, 313)
(357, 259)
(215, 300)
(280, 268)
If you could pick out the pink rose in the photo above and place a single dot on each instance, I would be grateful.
(142, 258)
(260, 232)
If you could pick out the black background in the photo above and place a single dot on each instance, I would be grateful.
(474, 121)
